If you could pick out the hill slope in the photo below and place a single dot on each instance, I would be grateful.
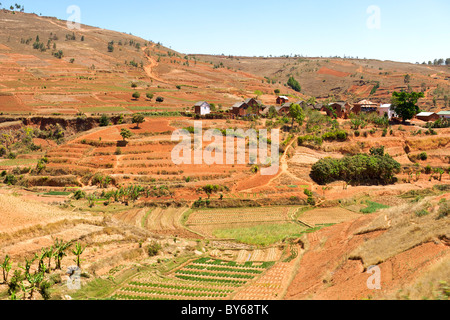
(347, 79)
(89, 78)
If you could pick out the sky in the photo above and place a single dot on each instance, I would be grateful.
(400, 30)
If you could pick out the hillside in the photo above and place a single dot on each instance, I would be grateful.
(98, 81)
(347, 79)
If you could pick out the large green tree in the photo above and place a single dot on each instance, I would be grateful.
(297, 114)
(405, 104)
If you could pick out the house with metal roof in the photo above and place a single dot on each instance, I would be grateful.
(202, 108)
(427, 116)
(444, 114)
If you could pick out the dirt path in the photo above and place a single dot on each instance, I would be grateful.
(284, 170)
(149, 68)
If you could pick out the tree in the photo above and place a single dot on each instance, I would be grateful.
(60, 251)
(125, 133)
(104, 120)
(404, 104)
(447, 61)
(297, 114)
(78, 251)
(6, 267)
(277, 91)
(407, 79)
(150, 96)
(294, 84)
(136, 95)
(138, 118)
(111, 46)
(160, 99)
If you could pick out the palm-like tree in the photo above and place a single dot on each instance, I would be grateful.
(78, 251)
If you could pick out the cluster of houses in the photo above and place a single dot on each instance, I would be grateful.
(254, 107)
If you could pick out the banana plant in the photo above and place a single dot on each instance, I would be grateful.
(50, 253)
(6, 267)
(60, 251)
(78, 251)
(35, 281)
(40, 258)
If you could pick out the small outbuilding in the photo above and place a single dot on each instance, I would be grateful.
(202, 108)
(282, 100)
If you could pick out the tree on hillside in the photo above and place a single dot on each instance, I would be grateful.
(297, 114)
(447, 61)
(136, 95)
(126, 134)
(404, 104)
(138, 118)
(294, 84)
(277, 91)
(111, 46)
(150, 96)
(104, 120)
(407, 79)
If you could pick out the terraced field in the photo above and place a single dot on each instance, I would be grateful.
(202, 279)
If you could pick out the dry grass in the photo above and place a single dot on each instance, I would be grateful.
(404, 230)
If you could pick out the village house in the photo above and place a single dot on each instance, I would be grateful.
(385, 109)
(202, 108)
(282, 100)
(444, 114)
(247, 107)
(427, 116)
(367, 106)
(340, 109)
(284, 109)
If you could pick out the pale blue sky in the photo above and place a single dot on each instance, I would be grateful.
(410, 30)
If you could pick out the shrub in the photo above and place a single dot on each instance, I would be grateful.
(423, 156)
(153, 249)
(104, 120)
(361, 168)
(10, 179)
(160, 99)
(79, 194)
(339, 135)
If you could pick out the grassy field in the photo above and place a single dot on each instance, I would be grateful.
(18, 162)
(262, 235)
(373, 207)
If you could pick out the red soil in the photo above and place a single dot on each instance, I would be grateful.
(331, 72)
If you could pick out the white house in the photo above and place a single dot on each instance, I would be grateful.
(202, 108)
(386, 109)
(444, 114)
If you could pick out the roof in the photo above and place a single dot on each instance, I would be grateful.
(250, 99)
(287, 105)
(384, 106)
(238, 104)
(283, 97)
(366, 103)
(200, 103)
(444, 113)
(425, 114)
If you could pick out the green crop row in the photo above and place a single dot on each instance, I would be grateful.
(197, 267)
(182, 294)
(216, 274)
(178, 287)
(221, 281)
